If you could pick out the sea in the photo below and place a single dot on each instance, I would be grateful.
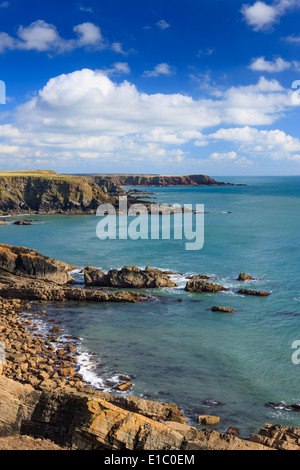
(225, 364)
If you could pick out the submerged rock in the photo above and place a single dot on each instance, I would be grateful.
(129, 277)
(223, 309)
(200, 276)
(259, 293)
(22, 222)
(203, 287)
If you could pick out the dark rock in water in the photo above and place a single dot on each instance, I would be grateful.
(245, 277)
(212, 403)
(223, 309)
(22, 222)
(233, 431)
(200, 276)
(282, 406)
(259, 293)
(203, 287)
(129, 277)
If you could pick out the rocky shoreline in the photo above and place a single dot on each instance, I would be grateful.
(41, 374)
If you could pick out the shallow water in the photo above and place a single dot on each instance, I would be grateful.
(181, 351)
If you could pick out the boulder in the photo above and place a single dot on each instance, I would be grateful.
(22, 222)
(203, 287)
(128, 277)
(208, 420)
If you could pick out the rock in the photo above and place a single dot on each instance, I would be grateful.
(26, 289)
(123, 387)
(223, 309)
(208, 420)
(128, 277)
(22, 222)
(260, 293)
(245, 277)
(26, 262)
(233, 431)
(199, 277)
(81, 420)
(203, 287)
(278, 437)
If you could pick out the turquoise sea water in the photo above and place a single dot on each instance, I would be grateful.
(182, 352)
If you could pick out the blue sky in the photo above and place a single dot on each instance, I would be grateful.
(170, 87)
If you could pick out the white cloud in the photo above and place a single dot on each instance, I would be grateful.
(86, 9)
(4, 5)
(293, 39)
(160, 69)
(118, 68)
(85, 114)
(162, 24)
(276, 65)
(44, 37)
(118, 48)
(274, 144)
(261, 16)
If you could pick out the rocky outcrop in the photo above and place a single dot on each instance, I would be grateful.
(203, 287)
(245, 277)
(128, 277)
(14, 287)
(88, 421)
(259, 293)
(25, 262)
(278, 437)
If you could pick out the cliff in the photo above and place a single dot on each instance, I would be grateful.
(156, 180)
(50, 193)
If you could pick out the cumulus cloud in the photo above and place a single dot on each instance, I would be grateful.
(44, 37)
(275, 143)
(262, 16)
(85, 115)
(276, 65)
(160, 69)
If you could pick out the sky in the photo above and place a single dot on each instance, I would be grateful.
(158, 86)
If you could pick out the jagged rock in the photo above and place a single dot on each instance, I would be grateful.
(245, 277)
(259, 293)
(26, 262)
(203, 287)
(278, 437)
(129, 277)
(208, 420)
(223, 309)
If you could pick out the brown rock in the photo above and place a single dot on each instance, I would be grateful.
(203, 287)
(209, 420)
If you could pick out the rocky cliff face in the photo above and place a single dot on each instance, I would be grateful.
(50, 194)
(95, 420)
